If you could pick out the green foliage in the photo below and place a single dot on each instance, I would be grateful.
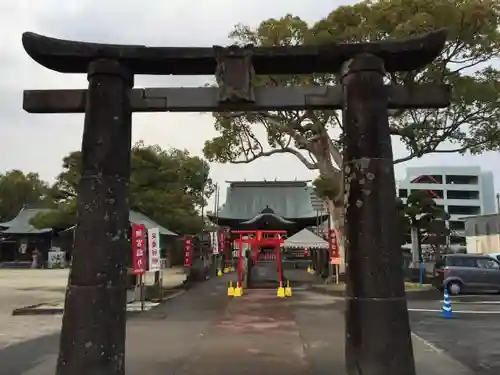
(470, 124)
(17, 190)
(422, 212)
(327, 188)
(169, 186)
(62, 217)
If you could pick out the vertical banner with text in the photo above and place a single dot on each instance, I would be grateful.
(214, 241)
(188, 251)
(222, 240)
(334, 247)
(154, 249)
(138, 248)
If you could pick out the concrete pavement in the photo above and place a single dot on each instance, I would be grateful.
(205, 332)
(27, 287)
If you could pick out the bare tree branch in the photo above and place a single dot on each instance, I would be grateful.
(309, 164)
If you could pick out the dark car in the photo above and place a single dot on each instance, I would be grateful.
(467, 272)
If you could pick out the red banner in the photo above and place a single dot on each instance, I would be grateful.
(139, 236)
(334, 246)
(222, 239)
(188, 251)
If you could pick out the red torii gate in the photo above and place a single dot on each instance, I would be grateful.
(257, 241)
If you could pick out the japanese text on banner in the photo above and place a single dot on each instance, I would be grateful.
(188, 251)
(154, 249)
(138, 248)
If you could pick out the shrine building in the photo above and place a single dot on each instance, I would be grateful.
(262, 214)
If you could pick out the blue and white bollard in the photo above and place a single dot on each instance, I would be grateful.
(446, 310)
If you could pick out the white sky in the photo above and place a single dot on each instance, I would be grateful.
(38, 143)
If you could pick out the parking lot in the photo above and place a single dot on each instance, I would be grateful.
(470, 337)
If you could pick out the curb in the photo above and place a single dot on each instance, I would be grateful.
(411, 295)
(35, 310)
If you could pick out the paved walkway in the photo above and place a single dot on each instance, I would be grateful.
(27, 287)
(204, 332)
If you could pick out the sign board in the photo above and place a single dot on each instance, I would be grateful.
(222, 240)
(333, 243)
(154, 249)
(188, 251)
(214, 242)
(335, 261)
(56, 259)
(23, 246)
(138, 248)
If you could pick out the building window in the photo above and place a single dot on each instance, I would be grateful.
(428, 179)
(462, 194)
(464, 210)
(461, 180)
(457, 225)
(434, 193)
(458, 240)
(487, 229)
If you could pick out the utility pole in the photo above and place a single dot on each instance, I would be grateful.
(498, 217)
(203, 197)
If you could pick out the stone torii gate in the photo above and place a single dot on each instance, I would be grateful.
(377, 329)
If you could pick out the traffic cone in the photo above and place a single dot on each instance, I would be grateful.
(238, 291)
(281, 291)
(288, 289)
(446, 311)
(230, 289)
(219, 272)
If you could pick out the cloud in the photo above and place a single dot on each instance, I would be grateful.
(39, 142)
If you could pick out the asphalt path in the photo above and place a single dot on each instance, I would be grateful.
(183, 318)
(470, 337)
(203, 321)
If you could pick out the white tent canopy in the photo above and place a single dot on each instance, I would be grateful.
(305, 239)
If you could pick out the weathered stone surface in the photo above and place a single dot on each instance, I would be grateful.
(74, 57)
(378, 340)
(234, 74)
(93, 331)
(206, 99)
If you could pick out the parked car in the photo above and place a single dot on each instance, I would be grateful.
(467, 272)
(495, 256)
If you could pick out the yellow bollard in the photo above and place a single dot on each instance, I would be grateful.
(226, 269)
(230, 289)
(238, 291)
(219, 272)
(288, 289)
(309, 269)
(281, 291)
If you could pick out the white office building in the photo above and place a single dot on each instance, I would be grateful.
(461, 191)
